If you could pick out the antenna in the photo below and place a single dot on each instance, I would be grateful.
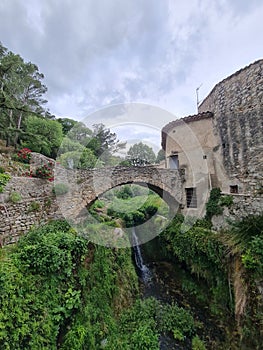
(197, 96)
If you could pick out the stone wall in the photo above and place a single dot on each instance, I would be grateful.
(37, 205)
(243, 205)
(237, 104)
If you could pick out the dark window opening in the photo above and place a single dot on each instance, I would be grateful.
(234, 189)
(173, 162)
(204, 156)
(191, 199)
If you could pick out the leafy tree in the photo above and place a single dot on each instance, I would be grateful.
(68, 145)
(104, 143)
(79, 159)
(80, 133)
(43, 135)
(160, 156)
(21, 93)
(67, 124)
(140, 154)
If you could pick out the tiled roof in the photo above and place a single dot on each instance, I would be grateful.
(188, 119)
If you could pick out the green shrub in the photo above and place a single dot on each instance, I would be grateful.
(33, 206)
(198, 344)
(4, 178)
(15, 197)
(2, 170)
(99, 204)
(60, 189)
(226, 201)
(212, 206)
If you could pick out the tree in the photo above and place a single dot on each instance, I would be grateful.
(160, 156)
(104, 143)
(79, 159)
(80, 133)
(140, 154)
(67, 124)
(69, 145)
(21, 93)
(43, 135)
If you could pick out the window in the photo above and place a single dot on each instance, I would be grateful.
(174, 162)
(204, 156)
(234, 189)
(191, 199)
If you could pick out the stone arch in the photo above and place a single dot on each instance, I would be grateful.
(87, 185)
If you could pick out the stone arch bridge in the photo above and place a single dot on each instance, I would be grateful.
(85, 186)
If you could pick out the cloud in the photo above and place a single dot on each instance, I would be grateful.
(100, 53)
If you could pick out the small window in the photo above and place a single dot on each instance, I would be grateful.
(204, 156)
(174, 162)
(234, 189)
(191, 199)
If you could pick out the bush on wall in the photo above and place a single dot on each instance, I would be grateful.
(4, 178)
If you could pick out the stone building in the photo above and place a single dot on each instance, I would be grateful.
(222, 145)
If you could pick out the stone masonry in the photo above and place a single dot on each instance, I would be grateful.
(237, 105)
(85, 186)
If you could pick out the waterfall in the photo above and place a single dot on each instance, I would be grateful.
(144, 270)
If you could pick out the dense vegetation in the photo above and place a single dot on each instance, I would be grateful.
(60, 291)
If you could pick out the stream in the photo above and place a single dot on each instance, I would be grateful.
(163, 281)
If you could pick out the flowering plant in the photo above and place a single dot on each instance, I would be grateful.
(42, 172)
(24, 155)
(45, 172)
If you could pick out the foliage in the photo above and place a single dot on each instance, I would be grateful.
(39, 285)
(64, 295)
(246, 239)
(140, 154)
(197, 343)
(43, 135)
(134, 210)
(160, 156)
(15, 197)
(4, 178)
(60, 188)
(226, 201)
(216, 202)
(158, 317)
(213, 206)
(44, 172)
(23, 155)
(21, 94)
(125, 192)
(33, 206)
(51, 250)
(67, 124)
(69, 145)
(80, 133)
(202, 251)
(79, 160)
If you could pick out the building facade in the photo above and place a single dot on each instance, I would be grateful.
(222, 145)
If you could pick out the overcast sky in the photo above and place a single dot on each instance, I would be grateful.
(99, 53)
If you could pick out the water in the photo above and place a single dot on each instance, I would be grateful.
(163, 281)
(144, 271)
(150, 285)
